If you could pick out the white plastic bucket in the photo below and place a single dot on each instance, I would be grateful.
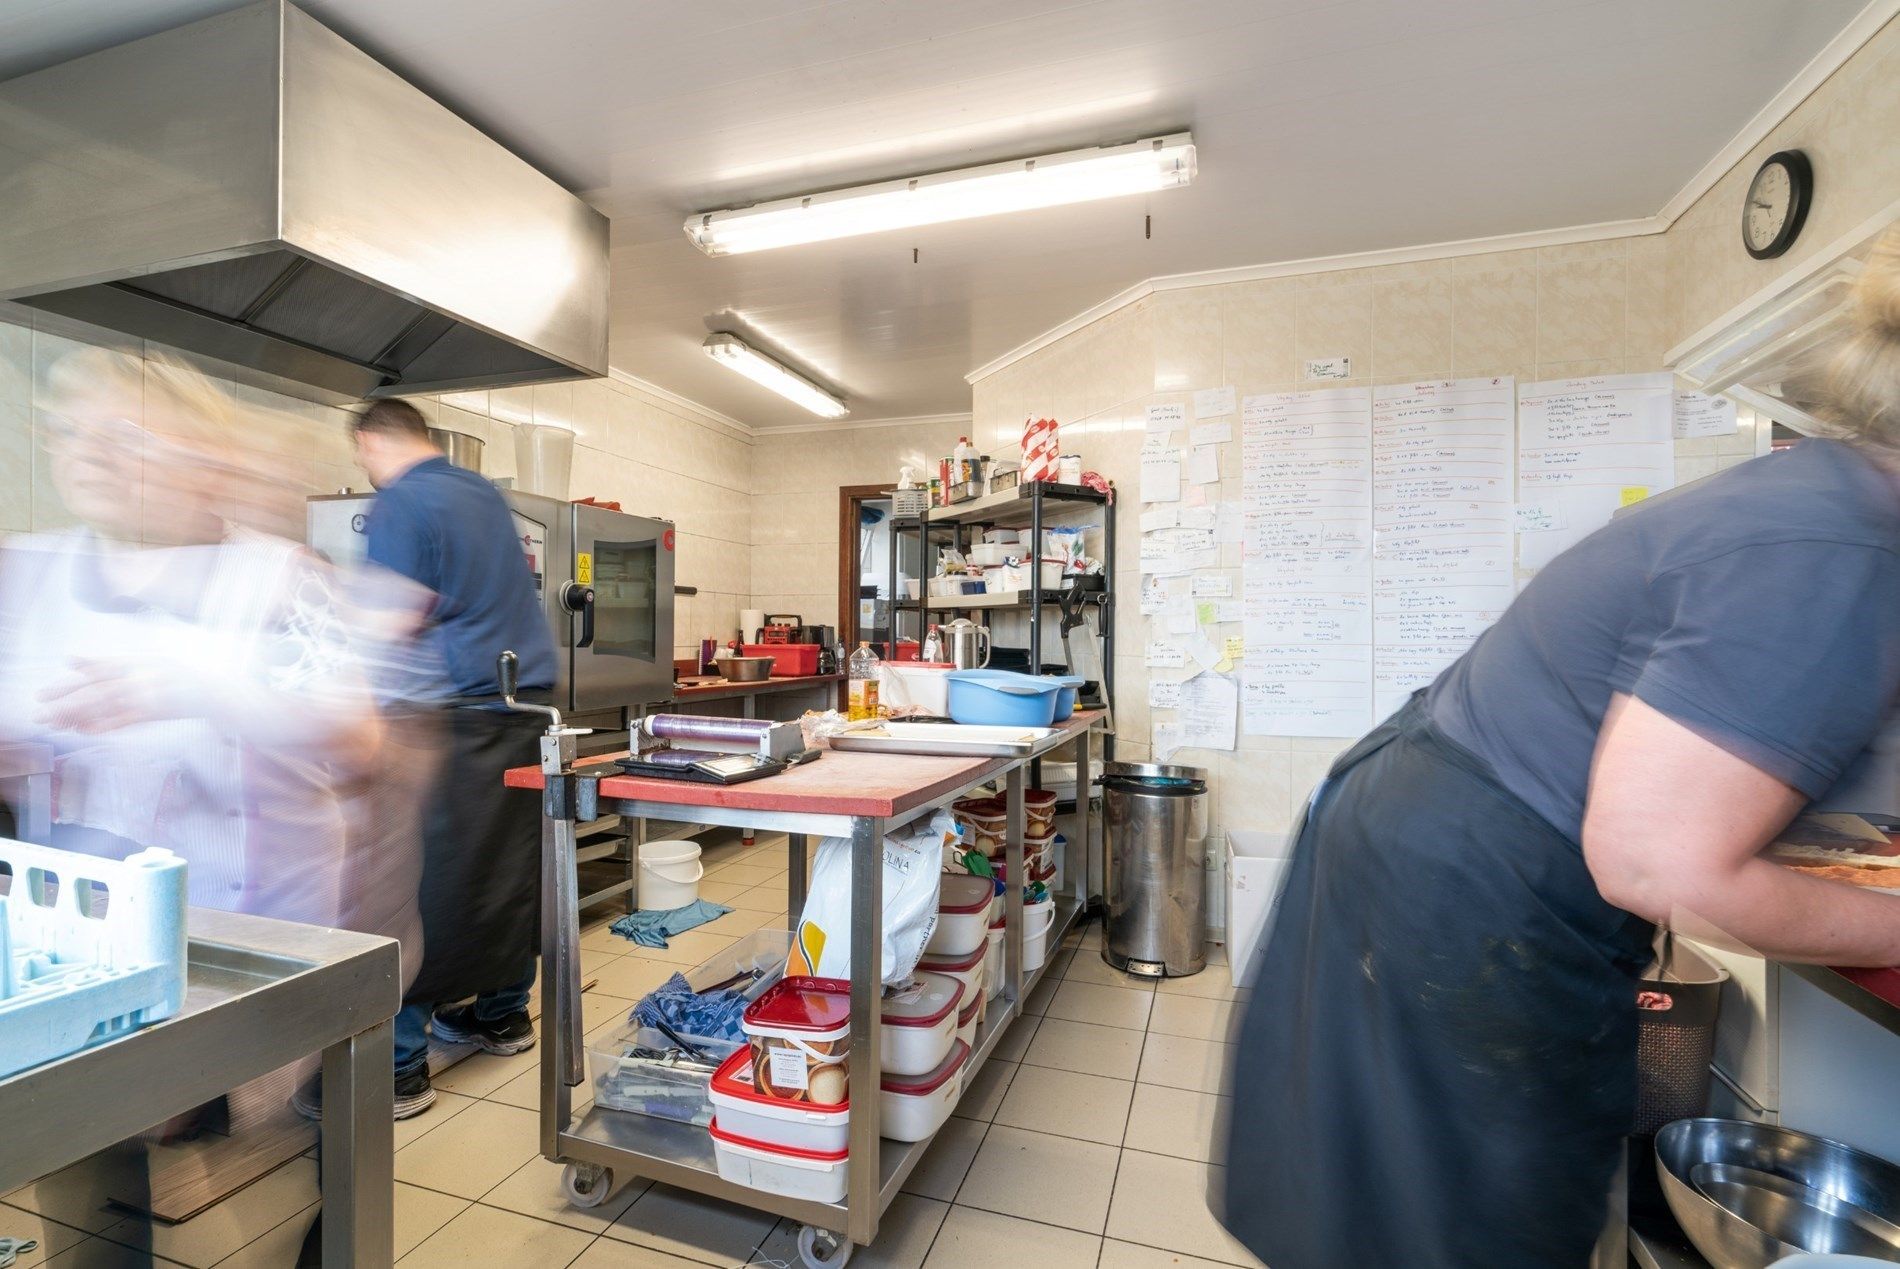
(669, 875)
(1038, 919)
(544, 457)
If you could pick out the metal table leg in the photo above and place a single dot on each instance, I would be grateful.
(867, 990)
(797, 866)
(1080, 862)
(1013, 892)
(359, 1150)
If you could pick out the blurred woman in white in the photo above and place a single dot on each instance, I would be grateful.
(186, 662)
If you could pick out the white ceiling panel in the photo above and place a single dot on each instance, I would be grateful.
(1324, 126)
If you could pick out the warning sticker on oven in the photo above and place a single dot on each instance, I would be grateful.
(584, 567)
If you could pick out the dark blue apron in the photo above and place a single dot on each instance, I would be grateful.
(1438, 1063)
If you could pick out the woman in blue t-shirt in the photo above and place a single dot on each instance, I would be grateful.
(1438, 1066)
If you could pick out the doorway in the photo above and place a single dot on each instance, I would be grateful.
(865, 543)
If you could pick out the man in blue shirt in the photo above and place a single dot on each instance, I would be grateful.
(450, 530)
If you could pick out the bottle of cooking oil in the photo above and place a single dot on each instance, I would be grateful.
(863, 670)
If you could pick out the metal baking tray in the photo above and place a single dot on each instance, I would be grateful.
(948, 740)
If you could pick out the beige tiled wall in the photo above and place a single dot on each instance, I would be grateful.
(653, 456)
(1847, 129)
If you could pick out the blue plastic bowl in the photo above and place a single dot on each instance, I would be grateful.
(1002, 698)
(1068, 685)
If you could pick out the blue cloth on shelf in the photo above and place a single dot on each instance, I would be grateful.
(674, 1007)
(651, 929)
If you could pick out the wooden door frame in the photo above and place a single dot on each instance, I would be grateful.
(850, 499)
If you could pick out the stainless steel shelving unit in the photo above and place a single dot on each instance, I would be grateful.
(1029, 506)
(601, 1142)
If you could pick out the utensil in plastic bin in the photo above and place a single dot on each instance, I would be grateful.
(1677, 999)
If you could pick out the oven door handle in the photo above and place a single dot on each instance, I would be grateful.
(580, 599)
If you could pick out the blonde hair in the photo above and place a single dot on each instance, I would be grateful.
(1858, 382)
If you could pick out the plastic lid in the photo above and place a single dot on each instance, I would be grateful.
(802, 1004)
(927, 1001)
(918, 1085)
(734, 1079)
(769, 1147)
(970, 1007)
(961, 893)
(1036, 797)
(951, 964)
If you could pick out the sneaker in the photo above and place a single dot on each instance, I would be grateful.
(413, 1095)
(459, 1025)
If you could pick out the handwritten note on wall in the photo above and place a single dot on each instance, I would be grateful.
(1587, 447)
(1306, 466)
(1442, 513)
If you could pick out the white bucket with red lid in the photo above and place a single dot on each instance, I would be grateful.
(800, 1033)
(819, 1175)
(963, 909)
(967, 970)
(919, 1023)
(746, 1112)
(912, 1107)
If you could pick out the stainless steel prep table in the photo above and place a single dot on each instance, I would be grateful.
(857, 796)
(260, 993)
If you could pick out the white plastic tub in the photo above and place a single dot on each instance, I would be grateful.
(1038, 920)
(963, 908)
(911, 1108)
(968, 1017)
(919, 1023)
(1257, 864)
(773, 1121)
(990, 554)
(918, 685)
(805, 1174)
(669, 875)
(800, 1038)
(967, 970)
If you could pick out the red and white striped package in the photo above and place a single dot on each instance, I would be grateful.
(1042, 449)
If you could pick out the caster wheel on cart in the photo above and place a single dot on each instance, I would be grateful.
(822, 1249)
(586, 1184)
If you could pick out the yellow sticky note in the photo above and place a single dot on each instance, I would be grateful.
(1236, 647)
(584, 567)
(1634, 493)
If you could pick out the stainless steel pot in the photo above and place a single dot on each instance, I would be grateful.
(459, 448)
(963, 641)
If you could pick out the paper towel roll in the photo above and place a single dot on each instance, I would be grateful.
(750, 619)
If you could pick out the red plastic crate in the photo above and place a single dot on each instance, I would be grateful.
(789, 660)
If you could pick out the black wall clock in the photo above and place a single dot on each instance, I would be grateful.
(1777, 204)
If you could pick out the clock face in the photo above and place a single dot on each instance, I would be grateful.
(1777, 204)
(1770, 199)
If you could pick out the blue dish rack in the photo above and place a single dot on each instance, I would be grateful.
(90, 948)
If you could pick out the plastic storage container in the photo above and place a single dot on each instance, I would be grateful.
(69, 979)
(1039, 808)
(646, 1087)
(800, 1033)
(967, 970)
(919, 1024)
(1002, 698)
(993, 960)
(789, 660)
(1068, 685)
(985, 822)
(967, 1018)
(1038, 920)
(669, 875)
(911, 1108)
(807, 1174)
(916, 684)
(963, 914)
(746, 1112)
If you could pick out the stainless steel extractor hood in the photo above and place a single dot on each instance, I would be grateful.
(255, 189)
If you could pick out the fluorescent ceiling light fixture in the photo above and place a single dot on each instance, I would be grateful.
(735, 354)
(1051, 180)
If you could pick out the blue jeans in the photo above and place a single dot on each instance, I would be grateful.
(412, 1022)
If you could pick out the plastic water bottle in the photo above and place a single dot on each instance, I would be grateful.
(863, 670)
(933, 646)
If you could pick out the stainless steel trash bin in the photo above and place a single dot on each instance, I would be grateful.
(1154, 840)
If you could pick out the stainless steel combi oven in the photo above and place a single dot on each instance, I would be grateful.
(606, 584)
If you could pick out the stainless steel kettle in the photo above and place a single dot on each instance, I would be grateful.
(962, 640)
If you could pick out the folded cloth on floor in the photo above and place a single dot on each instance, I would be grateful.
(683, 1015)
(650, 929)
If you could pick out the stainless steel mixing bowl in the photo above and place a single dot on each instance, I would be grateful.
(1816, 1194)
(745, 669)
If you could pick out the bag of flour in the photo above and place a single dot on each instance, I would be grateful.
(913, 861)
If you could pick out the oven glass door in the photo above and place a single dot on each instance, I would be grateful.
(628, 560)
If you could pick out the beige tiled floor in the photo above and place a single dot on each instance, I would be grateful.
(1083, 1143)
